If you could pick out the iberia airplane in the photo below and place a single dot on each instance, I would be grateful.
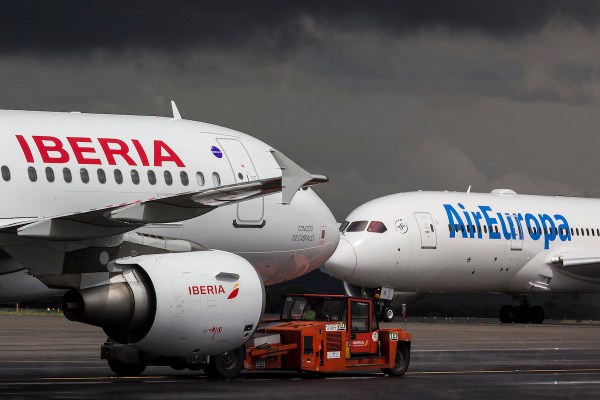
(448, 242)
(121, 211)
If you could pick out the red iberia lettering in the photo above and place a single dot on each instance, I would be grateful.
(55, 150)
(115, 147)
(159, 157)
(79, 150)
(51, 149)
(206, 289)
(25, 148)
(141, 152)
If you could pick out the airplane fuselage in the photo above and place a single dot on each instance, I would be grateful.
(472, 242)
(56, 164)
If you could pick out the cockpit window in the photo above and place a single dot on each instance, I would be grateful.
(357, 226)
(377, 227)
(344, 225)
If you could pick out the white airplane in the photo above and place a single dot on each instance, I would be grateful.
(448, 242)
(121, 211)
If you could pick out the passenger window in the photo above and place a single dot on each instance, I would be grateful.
(50, 174)
(377, 227)
(85, 176)
(577, 231)
(496, 228)
(485, 228)
(572, 232)
(216, 179)
(357, 226)
(200, 178)
(135, 177)
(587, 232)
(344, 225)
(101, 176)
(5, 173)
(168, 178)
(184, 178)
(118, 176)
(151, 177)
(32, 174)
(67, 175)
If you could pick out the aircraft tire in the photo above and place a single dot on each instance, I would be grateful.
(505, 314)
(401, 362)
(536, 315)
(227, 365)
(123, 369)
(388, 314)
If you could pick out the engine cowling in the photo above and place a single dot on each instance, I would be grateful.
(202, 303)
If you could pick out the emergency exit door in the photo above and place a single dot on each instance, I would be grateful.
(427, 230)
(250, 213)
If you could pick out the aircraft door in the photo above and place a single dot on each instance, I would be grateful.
(250, 213)
(364, 335)
(427, 230)
(516, 242)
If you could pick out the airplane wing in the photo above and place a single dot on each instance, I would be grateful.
(585, 263)
(118, 219)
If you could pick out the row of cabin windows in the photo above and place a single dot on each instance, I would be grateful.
(135, 176)
(535, 231)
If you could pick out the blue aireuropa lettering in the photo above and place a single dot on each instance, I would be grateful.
(551, 227)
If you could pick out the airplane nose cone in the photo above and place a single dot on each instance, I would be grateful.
(343, 262)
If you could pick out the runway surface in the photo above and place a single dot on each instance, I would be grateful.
(49, 357)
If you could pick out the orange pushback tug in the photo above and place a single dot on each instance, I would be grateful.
(328, 333)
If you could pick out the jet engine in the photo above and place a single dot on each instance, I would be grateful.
(176, 304)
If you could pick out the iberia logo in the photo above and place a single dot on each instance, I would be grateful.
(234, 292)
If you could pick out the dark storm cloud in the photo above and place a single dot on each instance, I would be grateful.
(75, 26)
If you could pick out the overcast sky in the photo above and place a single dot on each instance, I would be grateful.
(382, 97)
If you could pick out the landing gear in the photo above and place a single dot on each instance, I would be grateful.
(124, 369)
(521, 312)
(227, 365)
(387, 314)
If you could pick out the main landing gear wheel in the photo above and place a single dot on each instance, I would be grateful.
(387, 314)
(521, 312)
(123, 369)
(227, 365)
(401, 362)
(505, 312)
(536, 315)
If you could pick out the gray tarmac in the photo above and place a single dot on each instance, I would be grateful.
(52, 358)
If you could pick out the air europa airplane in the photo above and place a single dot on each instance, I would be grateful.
(445, 242)
(121, 211)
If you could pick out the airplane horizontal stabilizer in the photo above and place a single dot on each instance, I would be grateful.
(294, 176)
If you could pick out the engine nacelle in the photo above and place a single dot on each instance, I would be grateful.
(177, 304)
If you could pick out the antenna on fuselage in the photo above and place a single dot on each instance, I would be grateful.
(469, 189)
(176, 114)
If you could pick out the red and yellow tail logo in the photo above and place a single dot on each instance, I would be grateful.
(234, 292)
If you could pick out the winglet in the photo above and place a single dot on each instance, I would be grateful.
(176, 114)
(293, 177)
